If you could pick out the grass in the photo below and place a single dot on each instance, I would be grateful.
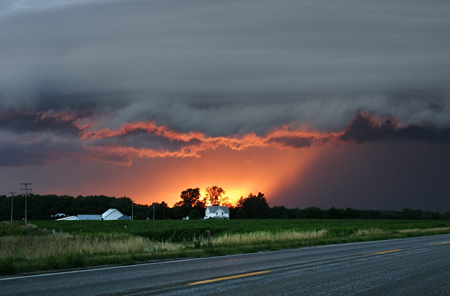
(12, 229)
(266, 237)
(61, 244)
(79, 244)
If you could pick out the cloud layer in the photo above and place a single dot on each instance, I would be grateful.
(76, 70)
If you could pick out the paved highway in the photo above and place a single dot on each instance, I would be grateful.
(415, 266)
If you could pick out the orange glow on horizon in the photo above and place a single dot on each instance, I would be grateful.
(239, 173)
(148, 180)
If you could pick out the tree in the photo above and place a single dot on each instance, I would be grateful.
(334, 213)
(190, 199)
(215, 196)
(279, 212)
(312, 213)
(254, 207)
(240, 214)
(194, 214)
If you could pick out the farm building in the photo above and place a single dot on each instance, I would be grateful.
(114, 214)
(217, 212)
(89, 217)
(80, 217)
(111, 214)
(68, 218)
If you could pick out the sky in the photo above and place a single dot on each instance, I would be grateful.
(312, 102)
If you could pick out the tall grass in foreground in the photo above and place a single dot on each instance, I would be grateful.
(425, 231)
(20, 254)
(263, 236)
(33, 247)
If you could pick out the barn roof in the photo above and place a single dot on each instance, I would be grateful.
(89, 217)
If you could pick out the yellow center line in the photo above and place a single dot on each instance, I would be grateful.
(228, 277)
(386, 252)
(443, 243)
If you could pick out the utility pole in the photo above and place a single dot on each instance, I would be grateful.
(132, 210)
(12, 203)
(26, 189)
(153, 211)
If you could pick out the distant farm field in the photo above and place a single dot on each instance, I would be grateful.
(187, 230)
(56, 245)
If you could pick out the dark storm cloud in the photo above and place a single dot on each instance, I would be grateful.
(365, 128)
(294, 142)
(26, 122)
(231, 67)
(37, 152)
(142, 139)
(39, 138)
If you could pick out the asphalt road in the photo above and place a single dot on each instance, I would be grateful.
(415, 266)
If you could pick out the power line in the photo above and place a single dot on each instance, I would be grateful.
(12, 203)
(26, 189)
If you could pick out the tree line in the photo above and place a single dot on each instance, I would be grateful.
(192, 205)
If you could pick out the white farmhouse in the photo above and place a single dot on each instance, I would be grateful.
(217, 212)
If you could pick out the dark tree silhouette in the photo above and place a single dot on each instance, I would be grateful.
(313, 213)
(194, 214)
(190, 199)
(253, 207)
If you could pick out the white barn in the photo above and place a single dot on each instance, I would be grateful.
(111, 214)
(217, 212)
(114, 214)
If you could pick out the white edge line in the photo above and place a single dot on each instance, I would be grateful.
(96, 269)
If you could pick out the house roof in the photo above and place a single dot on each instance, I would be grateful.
(213, 209)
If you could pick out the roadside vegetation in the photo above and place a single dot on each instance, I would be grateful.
(55, 245)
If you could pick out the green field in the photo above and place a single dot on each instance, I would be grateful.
(180, 231)
(55, 245)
